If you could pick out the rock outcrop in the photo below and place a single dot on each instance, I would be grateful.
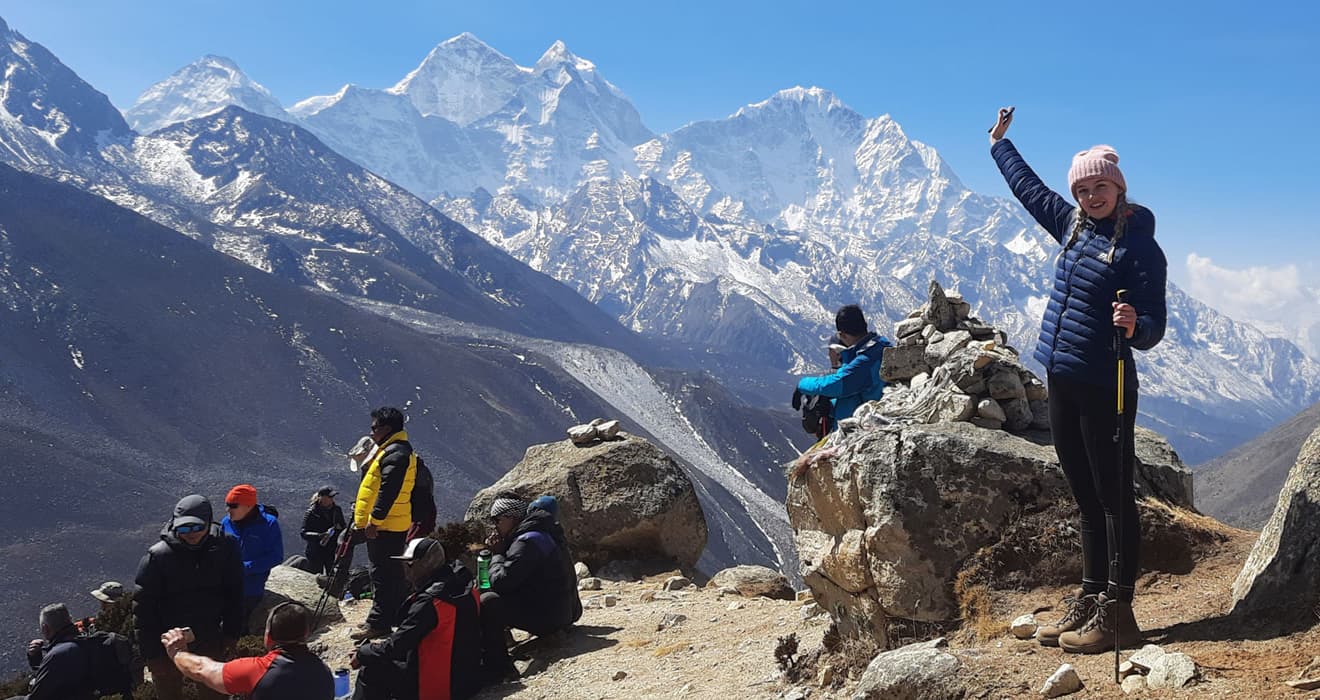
(890, 519)
(287, 583)
(619, 500)
(922, 671)
(1284, 566)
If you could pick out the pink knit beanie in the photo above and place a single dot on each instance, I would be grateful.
(1095, 161)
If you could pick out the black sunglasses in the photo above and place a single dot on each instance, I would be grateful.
(232, 506)
(189, 529)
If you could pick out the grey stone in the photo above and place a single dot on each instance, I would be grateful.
(923, 671)
(753, 581)
(1133, 684)
(961, 309)
(990, 410)
(1160, 473)
(1062, 682)
(908, 326)
(1145, 657)
(286, 583)
(954, 407)
(619, 675)
(971, 384)
(919, 380)
(987, 423)
(939, 312)
(582, 570)
(903, 362)
(1005, 384)
(1035, 388)
(1280, 574)
(1017, 412)
(1040, 414)
(670, 620)
(610, 600)
(1023, 627)
(811, 610)
(620, 500)
(582, 434)
(938, 352)
(978, 329)
(928, 331)
(608, 430)
(1175, 670)
(590, 583)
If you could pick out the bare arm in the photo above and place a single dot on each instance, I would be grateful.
(204, 670)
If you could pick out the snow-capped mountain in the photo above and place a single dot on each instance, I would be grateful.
(200, 88)
(462, 80)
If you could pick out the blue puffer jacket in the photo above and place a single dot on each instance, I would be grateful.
(855, 382)
(1076, 335)
(262, 547)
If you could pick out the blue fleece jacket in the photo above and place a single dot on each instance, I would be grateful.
(1077, 333)
(262, 548)
(855, 382)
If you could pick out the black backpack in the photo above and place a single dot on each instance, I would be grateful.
(110, 662)
(817, 415)
(423, 495)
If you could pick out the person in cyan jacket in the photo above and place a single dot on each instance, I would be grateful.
(532, 584)
(257, 529)
(857, 380)
(435, 654)
(192, 578)
(322, 525)
(1108, 244)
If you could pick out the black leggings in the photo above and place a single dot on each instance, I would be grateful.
(1082, 418)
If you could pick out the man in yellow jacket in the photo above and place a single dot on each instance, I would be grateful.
(384, 513)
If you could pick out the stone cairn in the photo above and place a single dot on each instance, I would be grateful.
(947, 365)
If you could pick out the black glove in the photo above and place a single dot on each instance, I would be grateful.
(797, 400)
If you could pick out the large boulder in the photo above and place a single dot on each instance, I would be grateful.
(754, 581)
(885, 527)
(618, 500)
(1161, 473)
(922, 671)
(287, 583)
(1282, 572)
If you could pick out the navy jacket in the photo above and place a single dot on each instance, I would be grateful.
(262, 547)
(535, 575)
(64, 672)
(1076, 335)
(853, 383)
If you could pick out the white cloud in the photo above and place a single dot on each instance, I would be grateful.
(1282, 301)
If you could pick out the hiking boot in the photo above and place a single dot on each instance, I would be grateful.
(361, 635)
(1077, 609)
(1097, 635)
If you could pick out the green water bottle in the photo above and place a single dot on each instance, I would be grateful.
(483, 570)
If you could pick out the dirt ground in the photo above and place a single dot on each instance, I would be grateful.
(725, 648)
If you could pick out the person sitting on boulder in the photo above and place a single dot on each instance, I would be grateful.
(289, 671)
(857, 379)
(192, 578)
(435, 654)
(532, 585)
(62, 667)
(322, 525)
(257, 529)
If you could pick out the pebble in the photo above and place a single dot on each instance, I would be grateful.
(1145, 657)
(581, 570)
(1063, 682)
(676, 583)
(1024, 627)
(1134, 684)
(736, 605)
(620, 675)
(590, 583)
(610, 600)
(670, 620)
(1174, 670)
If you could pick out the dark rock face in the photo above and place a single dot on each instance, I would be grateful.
(618, 500)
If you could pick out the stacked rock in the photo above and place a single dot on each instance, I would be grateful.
(947, 365)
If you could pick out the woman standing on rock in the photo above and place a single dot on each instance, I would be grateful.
(1108, 245)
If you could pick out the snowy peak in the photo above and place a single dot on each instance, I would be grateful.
(818, 98)
(202, 87)
(462, 80)
(559, 55)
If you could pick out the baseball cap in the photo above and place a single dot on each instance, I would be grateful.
(420, 547)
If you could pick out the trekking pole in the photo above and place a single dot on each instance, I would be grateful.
(1120, 349)
(335, 582)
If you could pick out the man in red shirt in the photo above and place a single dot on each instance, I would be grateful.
(290, 671)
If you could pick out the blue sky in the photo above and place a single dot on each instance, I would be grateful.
(1213, 106)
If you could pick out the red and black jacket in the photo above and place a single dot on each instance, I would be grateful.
(438, 644)
(286, 673)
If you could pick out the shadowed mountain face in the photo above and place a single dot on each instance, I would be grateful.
(1242, 487)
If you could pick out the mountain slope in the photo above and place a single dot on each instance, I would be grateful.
(1242, 487)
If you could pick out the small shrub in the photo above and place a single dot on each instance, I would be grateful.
(786, 648)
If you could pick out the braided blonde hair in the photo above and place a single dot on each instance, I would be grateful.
(1121, 210)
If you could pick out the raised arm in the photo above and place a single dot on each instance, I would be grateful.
(1049, 208)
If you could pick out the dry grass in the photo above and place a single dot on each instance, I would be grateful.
(976, 606)
(668, 649)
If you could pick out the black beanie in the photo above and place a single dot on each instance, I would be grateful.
(850, 320)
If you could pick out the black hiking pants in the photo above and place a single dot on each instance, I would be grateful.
(389, 587)
(1082, 420)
